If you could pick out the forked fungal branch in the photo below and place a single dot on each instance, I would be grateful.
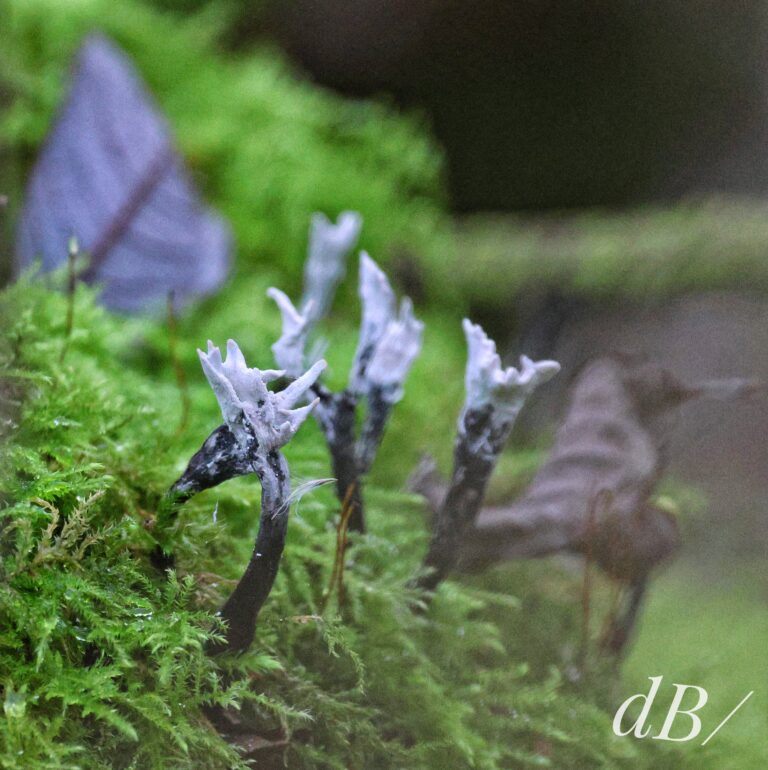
(494, 397)
(325, 267)
(388, 344)
(257, 423)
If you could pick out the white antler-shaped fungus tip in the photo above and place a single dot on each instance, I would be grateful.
(250, 409)
(396, 351)
(376, 295)
(289, 349)
(378, 301)
(301, 385)
(487, 382)
(329, 246)
(535, 373)
(223, 389)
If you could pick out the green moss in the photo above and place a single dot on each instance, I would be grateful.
(102, 657)
(637, 254)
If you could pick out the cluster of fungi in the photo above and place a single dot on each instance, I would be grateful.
(593, 495)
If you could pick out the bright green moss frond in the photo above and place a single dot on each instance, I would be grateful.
(102, 657)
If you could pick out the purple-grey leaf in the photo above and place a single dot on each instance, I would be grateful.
(109, 175)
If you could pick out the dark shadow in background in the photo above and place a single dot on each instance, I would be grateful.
(551, 104)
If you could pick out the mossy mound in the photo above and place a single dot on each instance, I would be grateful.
(636, 255)
(102, 656)
(102, 661)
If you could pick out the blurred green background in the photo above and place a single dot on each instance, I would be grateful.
(578, 177)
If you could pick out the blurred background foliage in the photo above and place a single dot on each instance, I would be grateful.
(265, 147)
(490, 682)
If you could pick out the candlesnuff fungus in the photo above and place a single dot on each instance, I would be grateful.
(218, 459)
(611, 443)
(494, 397)
(329, 245)
(257, 423)
(388, 366)
(261, 421)
(388, 345)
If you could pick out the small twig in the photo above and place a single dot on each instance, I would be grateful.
(178, 369)
(337, 574)
(73, 252)
(622, 627)
(618, 594)
(586, 593)
(346, 516)
(624, 615)
(212, 577)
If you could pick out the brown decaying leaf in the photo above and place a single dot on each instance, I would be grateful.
(611, 445)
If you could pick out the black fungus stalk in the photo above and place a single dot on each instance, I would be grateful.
(478, 445)
(336, 415)
(244, 604)
(352, 458)
(257, 423)
(219, 459)
(494, 397)
(381, 401)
